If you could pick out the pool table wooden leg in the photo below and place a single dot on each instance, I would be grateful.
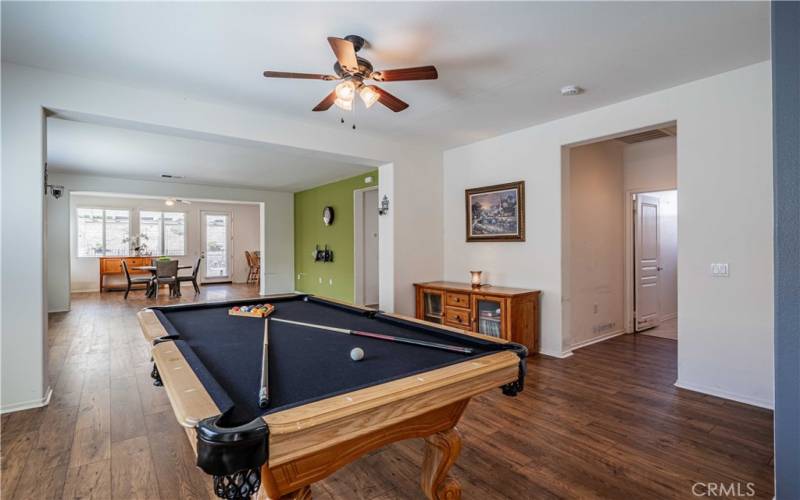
(441, 452)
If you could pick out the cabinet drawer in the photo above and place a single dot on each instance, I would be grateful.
(112, 265)
(457, 316)
(458, 299)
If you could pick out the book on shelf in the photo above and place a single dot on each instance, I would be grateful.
(489, 326)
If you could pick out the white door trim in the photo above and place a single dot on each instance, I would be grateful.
(358, 243)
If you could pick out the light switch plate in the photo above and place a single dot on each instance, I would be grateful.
(719, 269)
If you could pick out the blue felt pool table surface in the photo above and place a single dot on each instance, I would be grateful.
(305, 364)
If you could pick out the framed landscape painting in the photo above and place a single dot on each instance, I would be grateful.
(496, 213)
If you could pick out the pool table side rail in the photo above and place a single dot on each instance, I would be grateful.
(191, 403)
(300, 431)
(303, 430)
(262, 298)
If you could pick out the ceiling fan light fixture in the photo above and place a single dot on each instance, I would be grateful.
(368, 95)
(346, 90)
(346, 105)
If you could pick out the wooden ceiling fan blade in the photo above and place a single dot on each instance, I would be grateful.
(389, 100)
(345, 53)
(406, 74)
(326, 103)
(303, 76)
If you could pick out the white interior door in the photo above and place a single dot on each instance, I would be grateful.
(216, 246)
(646, 262)
(370, 247)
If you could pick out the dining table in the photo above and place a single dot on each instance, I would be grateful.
(153, 286)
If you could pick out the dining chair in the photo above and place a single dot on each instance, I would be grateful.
(136, 280)
(192, 277)
(254, 263)
(167, 274)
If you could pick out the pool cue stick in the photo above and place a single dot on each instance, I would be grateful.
(263, 393)
(380, 336)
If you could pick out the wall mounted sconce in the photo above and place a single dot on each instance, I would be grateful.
(384, 208)
(56, 191)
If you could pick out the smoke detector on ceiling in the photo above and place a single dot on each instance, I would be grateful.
(571, 90)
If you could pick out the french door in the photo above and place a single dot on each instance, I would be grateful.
(216, 246)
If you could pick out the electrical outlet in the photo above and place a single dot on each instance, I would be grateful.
(330, 282)
(595, 308)
(719, 269)
(320, 280)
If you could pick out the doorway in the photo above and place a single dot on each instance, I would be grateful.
(601, 285)
(215, 246)
(654, 263)
(366, 236)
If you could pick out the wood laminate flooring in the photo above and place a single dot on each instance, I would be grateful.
(604, 423)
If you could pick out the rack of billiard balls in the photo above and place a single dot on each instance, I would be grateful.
(252, 311)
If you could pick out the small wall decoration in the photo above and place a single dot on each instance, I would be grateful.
(323, 255)
(496, 213)
(327, 215)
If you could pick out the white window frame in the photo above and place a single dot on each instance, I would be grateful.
(161, 228)
(103, 232)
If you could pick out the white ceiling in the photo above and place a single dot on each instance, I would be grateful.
(500, 64)
(76, 147)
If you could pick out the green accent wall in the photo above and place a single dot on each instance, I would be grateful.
(309, 230)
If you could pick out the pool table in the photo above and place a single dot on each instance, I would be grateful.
(325, 409)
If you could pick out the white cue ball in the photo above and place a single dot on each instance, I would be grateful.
(357, 354)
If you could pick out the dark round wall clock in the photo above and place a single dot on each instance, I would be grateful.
(327, 215)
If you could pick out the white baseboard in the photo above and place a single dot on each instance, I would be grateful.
(91, 290)
(27, 405)
(59, 310)
(610, 335)
(720, 393)
(559, 355)
(669, 316)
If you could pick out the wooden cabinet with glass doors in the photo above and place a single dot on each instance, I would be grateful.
(508, 313)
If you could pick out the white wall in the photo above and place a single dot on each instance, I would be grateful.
(245, 232)
(651, 165)
(725, 215)
(414, 191)
(596, 243)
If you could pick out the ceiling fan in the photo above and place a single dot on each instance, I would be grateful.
(354, 71)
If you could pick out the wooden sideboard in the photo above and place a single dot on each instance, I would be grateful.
(508, 313)
(112, 266)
